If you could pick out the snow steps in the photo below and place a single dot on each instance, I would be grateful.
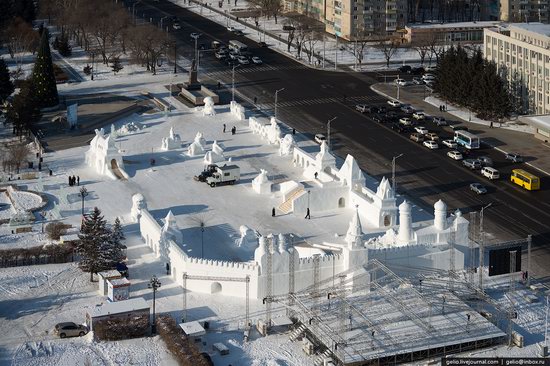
(320, 359)
(297, 333)
(286, 206)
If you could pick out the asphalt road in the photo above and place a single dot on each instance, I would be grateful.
(311, 97)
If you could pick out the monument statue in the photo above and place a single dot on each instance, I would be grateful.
(193, 83)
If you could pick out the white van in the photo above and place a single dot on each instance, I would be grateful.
(490, 173)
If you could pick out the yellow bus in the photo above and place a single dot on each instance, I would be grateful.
(525, 179)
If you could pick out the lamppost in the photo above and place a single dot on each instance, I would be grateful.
(154, 284)
(308, 192)
(175, 58)
(328, 131)
(393, 171)
(276, 98)
(93, 65)
(233, 82)
(481, 243)
(83, 194)
(202, 239)
(397, 88)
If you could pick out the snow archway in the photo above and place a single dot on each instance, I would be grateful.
(215, 287)
(103, 156)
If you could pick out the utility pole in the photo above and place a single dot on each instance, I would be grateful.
(393, 185)
(324, 51)
(276, 95)
(328, 131)
(481, 246)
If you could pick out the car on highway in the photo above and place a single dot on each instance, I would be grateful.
(231, 29)
(408, 109)
(485, 161)
(256, 60)
(220, 55)
(455, 155)
(416, 137)
(440, 121)
(459, 127)
(432, 136)
(238, 32)
(394, 103)
(243, 60)
(382, 109)
(319, 138)
(418, 81)
(378, 119)
(195, 35)
(490, 173)
(478, 188)
(405, 121)
(472, 164)
(513, 157)
(262, 44)
(421, 130)
(451, 144)
(363, 108)
(418, 115)
(176, 24)
(70, 329)
(432, 145)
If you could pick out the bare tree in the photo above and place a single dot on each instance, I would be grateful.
(312, 38)
(436, 48)
(18, 154)
(270, 8)
(389, 49)
(422, 47)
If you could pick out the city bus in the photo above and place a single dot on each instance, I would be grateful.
(467, 139)
(237, 46)
(525, 179)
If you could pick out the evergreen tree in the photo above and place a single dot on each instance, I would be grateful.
(63, 46)
(95, 239)
(24, 111)
(116, 65)
(116, 249)
(43, 77)
(6, 86)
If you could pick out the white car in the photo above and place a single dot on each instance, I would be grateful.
(405, 121)
(195, 35)
(257, 60)
(402, 82)
(450, 144)
(243, 60)
(419, 115)
(427, 77)
(231, 29)
(455, 155)
(394, 103)
(421, 130)
(431, 144)
(319, 138)
(176, 25)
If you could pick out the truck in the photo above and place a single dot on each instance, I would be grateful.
(227, 174)
(207, 172)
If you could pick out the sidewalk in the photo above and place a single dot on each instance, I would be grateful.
(515, 138)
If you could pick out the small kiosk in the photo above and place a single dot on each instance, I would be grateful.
(104, 277)
(193, 330)
(118, 289)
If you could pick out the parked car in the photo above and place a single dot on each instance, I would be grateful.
(417, 70)
(418, 81)
(70, 329)
(491, 173)
(459, 127)
(403, 82)
(363, 108)
(472, 163)
(319, 138)
(416, 137)
(516, 158)
(378, 119)
(427, 77)
(399, 128)
(231, 29)
(451, 144)
(408, 109)
(256, 60)
(238, 32)
(419, 115)
(382, 109)
(432, 136)
(432, 145)
(455, 155)
(421, 130)
(478, 188)
(220, 55)
(405, 121)
(440, 121)
(233, 55)
(485, 161)
(243, 60)
(262, 44)
(391, 115)
(405, 68)
(394, 103)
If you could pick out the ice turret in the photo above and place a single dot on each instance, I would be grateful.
(440, 215)
(405, 222)
(355, 232)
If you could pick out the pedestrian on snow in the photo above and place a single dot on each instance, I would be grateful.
(294, 131)
(307, 214)
(70, 181)
(39, 166)
(219, 85)
(255, 100)
(491, 124)
(234, 130)
(273, 212)
(78, 180)
(440, 109)
(51, 172)
(316, 174)
(224, 128)
(74, 180)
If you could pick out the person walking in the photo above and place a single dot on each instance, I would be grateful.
(273, 212)
(78, 180)
(491, 126)
(234, 130)
(224, 128)
(74, 180)
(307, 214)
(70, 181)
(255, 100)
(219, 85)
(294, 131)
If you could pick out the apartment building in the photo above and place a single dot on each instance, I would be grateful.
(522, 53)
(350, 19)
(524, 10)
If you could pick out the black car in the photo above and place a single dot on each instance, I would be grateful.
(378, 119)
(405, 69)
(398, 127)
(382, 109)
(238, 32)
(262, 44)
(417, 71)
(391, 115)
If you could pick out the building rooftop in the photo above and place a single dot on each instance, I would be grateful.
(120, 307)
(455, 25)
(539, 28)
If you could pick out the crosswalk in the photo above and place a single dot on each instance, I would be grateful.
(227, 71)
(319, 101)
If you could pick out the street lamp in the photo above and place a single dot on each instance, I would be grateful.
(93, 64)
(328, 130)
(276, 95)
(154, 284)
(481, 243)
(393, 171)
(233, 82)
(83, 194)
(175, 58)
(397, 88)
